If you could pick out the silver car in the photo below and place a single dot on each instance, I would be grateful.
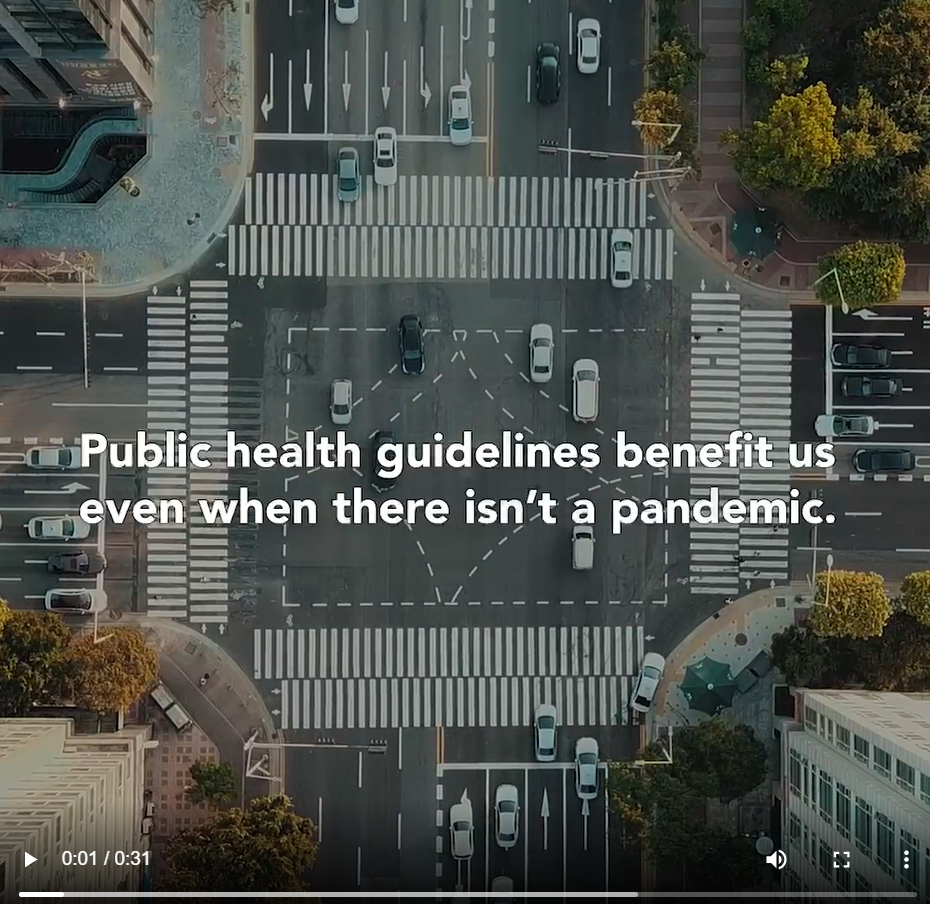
(54, 458)
(541, 353)
(57, 527)
(350, 182)
(506, 816)
(621, 258)
(844, 425)
(462, 830)
(586, 768)
(544, 732)
(76, 601)
(650, 677)
(340, 402)
(460, 121)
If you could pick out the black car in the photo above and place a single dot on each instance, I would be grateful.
(410, 336)
(381, 484)
(844, 355)
(548, 73)
(871, 387)
(882, 461)
(77, 563)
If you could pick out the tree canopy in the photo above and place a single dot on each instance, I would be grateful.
(866, 274)
(915, 596)
(112, 674)
(850, 604)
(35, 667)
(266, 847)
(213, 783)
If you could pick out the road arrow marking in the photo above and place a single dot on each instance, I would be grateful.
(425, 92)
(651, 217)
(346, 87)
(459, 335)
(866, 314)
(276, 712)
(308, 86)
(649, 637)
(203, 628)
(385, 87)
(726, 285)
(545, 817)
(455, 357)
(585, 812)
(703, 285)
(276, 691)
(69, 488)
(222, 628)
(268, 102)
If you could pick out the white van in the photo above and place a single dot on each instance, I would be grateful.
(586, 380)
(167, 703)
(582, 547)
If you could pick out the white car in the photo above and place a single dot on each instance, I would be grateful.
(589, 46)
(621, 258)
(541, 353)
(385, 156)
(545, 728)
(844, 425)
(340, 402)
(586, 767)
(650, 677)
(76, 601)
(57, 527)
(347, 12)
(460, 121)
(506, 816)
(586, 380)
(54, 458)
(462, 830)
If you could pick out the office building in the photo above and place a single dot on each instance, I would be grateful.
(61, 790)
(855, 793)
(76, 53)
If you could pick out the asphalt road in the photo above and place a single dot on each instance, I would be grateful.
(26, 494)
(47, 338)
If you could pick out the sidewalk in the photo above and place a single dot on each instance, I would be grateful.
(704, 209)
(200, 149)
(226, 710)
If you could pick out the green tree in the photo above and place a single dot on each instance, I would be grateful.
(34, 666)
(5, 613)
(850, 604)
(895, 54)
(915, 596)
(722, 862)
(718, 759)
(215, 7)
(674, 64)
(785, 74)
(655, 107)
(807, 660)
(794, 147)
(115, 672)
(899, 660)
(869, 273)
(213, 783)
(266, 847)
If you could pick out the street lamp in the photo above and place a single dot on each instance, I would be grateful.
(84, 325)
(826, 600)
(662, 175)
(675, 126)
(839, 288)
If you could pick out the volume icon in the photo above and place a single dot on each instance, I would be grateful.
(779, 859)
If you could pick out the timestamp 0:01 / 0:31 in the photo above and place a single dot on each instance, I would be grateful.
(92, 858)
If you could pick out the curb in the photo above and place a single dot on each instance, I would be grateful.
(139, 286)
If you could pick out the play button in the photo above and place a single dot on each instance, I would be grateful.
(29, 858)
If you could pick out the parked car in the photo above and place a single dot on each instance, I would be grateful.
(844, 425)
(381, 438)
(548, 73)
(84, 563)
(410, 337)
(541, 352)
(582, 547)
(845, 355)
(385, 156)
(506, 816)
(545, 732)
(502, 890)
(871, 387)
(585, 390)
(462, 830)
(586, 768)
(350, 182)
(461, 124)
(621, 258)
(883, 461)
(340, 402)
(347, 12)
(75, 601)
(54, 458)
(589, 46)
(57, 527)
(650, 677)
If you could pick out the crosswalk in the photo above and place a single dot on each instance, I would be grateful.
(740, 380)
(441, 252)
(419, 677)
(302, 199)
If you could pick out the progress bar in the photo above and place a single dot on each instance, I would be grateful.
(465, 895)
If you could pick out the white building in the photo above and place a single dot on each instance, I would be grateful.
(61, 791)
(855, 793)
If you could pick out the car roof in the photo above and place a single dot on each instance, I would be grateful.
(621, 235)
(655, 660)
(585, 364)
(506, 792)
(348, 154)
(545, 709)
(540, 329)
(461, 810)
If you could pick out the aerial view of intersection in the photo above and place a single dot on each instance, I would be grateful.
(393, 223)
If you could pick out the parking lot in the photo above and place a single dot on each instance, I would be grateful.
(26, 494)
(562, 842)
(476, 381)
